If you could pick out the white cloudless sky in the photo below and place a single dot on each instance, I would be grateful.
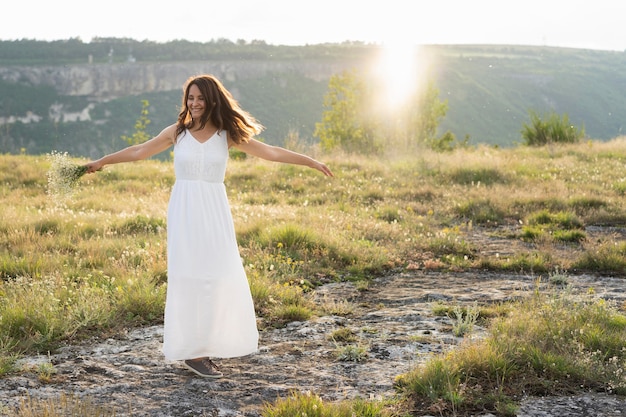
(597, 24)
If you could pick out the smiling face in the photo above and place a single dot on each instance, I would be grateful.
(196, 102)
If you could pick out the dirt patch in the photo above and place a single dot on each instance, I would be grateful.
(392, 320)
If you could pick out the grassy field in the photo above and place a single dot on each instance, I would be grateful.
(96, 262)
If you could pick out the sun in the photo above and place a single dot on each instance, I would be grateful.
(399, 72)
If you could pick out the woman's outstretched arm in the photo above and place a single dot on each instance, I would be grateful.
(156, 145)
(278, 154)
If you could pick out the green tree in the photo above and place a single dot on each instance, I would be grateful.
(418, 121)
(551, 129)
(140, 135)
(427, 113)
(354, 120)
(344, 123)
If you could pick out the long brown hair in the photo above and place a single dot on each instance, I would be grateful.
(222, 110)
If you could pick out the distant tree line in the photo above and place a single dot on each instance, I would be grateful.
(103, 50)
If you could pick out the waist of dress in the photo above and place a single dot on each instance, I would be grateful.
(201, 180)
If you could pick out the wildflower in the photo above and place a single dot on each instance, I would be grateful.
(63, 175)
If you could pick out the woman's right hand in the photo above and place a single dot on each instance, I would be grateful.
(94, 166)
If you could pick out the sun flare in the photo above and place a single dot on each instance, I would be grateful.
(399, 73)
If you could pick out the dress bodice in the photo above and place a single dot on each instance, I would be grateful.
(201, 161)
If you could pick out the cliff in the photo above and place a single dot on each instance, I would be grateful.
(109, 81)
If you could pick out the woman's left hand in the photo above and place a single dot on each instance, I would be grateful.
(323, 168)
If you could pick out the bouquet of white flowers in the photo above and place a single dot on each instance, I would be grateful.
(63, 175)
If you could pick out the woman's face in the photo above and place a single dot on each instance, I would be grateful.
(195, 102)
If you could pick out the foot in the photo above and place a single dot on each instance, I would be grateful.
(204, 367)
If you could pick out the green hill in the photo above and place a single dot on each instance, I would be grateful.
(490, 90)
(82, 97)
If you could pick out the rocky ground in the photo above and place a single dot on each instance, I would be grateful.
(393, 321)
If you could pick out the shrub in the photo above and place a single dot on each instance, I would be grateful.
(471, 176)
(289, 313)
(344, 335)
(311, 405)
(481, 211)
(606, 258)
(561, 226)
(551, 129)
(351, 353)
(464, 320)
(141, 224)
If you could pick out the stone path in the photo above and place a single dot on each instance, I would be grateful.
(392, 320)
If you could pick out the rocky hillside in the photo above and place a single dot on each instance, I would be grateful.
(85, 109)
(103, 82)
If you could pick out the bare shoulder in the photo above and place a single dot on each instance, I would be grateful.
(169, 134)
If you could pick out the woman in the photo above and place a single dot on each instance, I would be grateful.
(209, 310)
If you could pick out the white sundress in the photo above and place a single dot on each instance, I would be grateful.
(209, 309)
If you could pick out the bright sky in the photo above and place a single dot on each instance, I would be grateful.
(597, 24)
